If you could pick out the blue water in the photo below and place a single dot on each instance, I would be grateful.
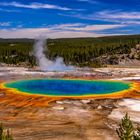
(61, 87)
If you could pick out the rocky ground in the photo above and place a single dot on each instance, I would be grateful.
(129, 59)
(90, 119)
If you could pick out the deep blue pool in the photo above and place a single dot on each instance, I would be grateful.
(62, 87)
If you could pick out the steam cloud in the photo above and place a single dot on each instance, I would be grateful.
(46, 64)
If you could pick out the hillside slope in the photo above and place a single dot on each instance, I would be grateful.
(92, 52)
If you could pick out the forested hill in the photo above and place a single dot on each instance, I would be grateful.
(92, 52)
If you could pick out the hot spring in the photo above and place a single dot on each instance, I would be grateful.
(65, 87)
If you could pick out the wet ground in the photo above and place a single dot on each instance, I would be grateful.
(63, 120)
(90, 119)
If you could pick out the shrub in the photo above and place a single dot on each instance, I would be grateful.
(5, 134)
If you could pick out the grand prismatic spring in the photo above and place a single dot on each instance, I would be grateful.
(61, 87)
(55, 89)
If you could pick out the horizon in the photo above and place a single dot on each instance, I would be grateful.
(68, 19)
(73, 37)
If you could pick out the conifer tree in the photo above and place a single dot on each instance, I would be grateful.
(5, 134)
(126, 129)
(137, 134)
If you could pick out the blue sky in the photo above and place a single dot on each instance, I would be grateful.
(68, 18)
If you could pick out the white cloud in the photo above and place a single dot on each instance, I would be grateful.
(66, 26)
(129, 18)
(115, 16)
(34, 6)
(57, 31)
(5, 24)
(89, 1)
(82, 27)
(35, 32)
(9, 11)
(119, 15)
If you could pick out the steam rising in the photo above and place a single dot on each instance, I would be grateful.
(44, 63)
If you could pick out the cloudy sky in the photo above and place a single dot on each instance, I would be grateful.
(68, 18)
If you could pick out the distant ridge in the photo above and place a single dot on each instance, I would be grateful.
(103, 37)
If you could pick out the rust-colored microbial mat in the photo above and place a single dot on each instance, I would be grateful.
(39, 92)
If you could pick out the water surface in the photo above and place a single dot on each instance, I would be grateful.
(62, 87)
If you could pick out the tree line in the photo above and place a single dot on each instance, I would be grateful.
(75, 51)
